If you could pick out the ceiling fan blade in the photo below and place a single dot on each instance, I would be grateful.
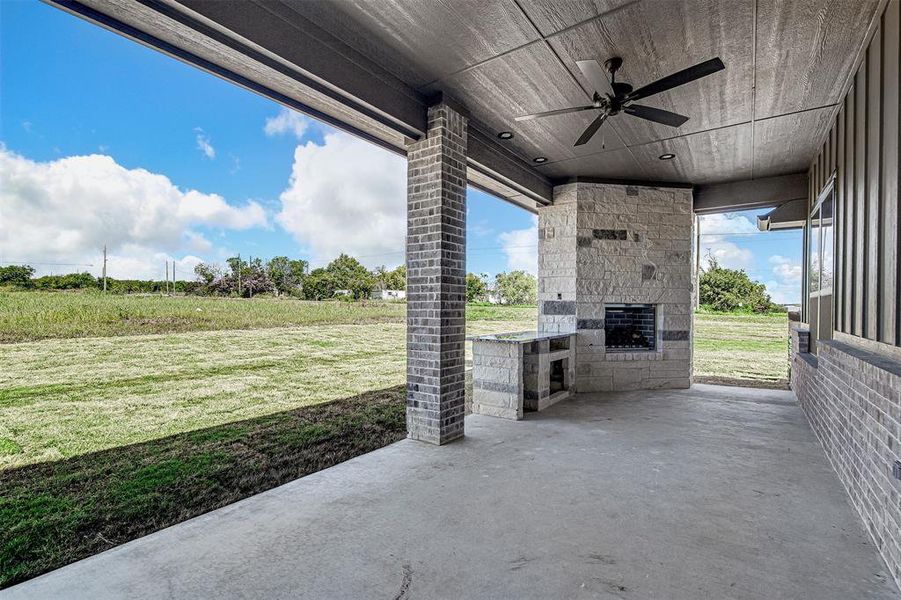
(676, 79)
(594, 73)
(656, 115)
(591, 130)
(550, 113)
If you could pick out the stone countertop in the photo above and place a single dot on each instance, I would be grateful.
(519, 337)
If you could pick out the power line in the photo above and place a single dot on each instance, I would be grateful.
(731, 233)
(48, 264)
(468, 250)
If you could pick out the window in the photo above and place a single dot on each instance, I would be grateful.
(820, 267)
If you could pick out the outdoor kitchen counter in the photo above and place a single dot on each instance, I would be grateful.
(518, 337)
(523, 371)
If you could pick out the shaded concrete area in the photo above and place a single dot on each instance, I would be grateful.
(712, 492)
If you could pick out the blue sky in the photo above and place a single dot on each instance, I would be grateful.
(106, 141)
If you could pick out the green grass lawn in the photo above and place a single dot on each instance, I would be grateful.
(160, 411)
(743, 349)
(37, 315)
(107, 438)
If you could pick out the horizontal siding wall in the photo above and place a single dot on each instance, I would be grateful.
(862, 150)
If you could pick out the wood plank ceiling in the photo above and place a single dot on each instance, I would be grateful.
(786, 65)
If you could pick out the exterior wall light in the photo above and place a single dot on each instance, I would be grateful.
(505, 135)
(667, 156)
(540, 159)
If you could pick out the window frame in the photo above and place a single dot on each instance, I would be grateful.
(814, 247)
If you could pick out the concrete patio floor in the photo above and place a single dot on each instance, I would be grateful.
(712, 492)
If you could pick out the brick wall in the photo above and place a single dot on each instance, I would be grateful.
(436, 279)
(601, 243)
(852, 399)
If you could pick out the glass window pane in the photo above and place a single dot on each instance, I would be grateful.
(826, 257)
(814, 253)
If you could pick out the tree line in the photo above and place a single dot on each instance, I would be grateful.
(732, 290)
(344, 278)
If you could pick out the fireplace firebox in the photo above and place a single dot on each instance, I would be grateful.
(630, 327)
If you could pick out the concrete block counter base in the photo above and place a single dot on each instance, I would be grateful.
(513, 373)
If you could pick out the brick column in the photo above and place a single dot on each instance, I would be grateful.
(436, 279)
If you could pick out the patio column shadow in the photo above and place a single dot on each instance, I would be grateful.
(58, 512)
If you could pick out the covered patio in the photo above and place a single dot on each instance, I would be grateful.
(642, 485)
(712, 492)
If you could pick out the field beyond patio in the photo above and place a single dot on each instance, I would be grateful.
(121, 415)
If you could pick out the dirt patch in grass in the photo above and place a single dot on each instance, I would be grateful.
(54, 513)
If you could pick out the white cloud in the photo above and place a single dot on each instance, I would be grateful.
(786, 269)
(726, 253)
(27, 125)
(783, 293)
(521, 248)
(786, 287)
(287, 121)
(139, 262)
(347, 196)
(727, 223)
(204, 144)
(714, 241)
(64, 211)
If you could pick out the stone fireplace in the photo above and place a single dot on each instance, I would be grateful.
(616, 267)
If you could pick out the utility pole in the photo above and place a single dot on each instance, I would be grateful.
(167, 277)
(173, 277)
(104, 268)
(240, 295)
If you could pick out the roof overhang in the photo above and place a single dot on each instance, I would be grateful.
(373, 68)
(791, 215)
(750, 194)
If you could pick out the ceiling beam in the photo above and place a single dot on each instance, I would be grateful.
(494, 161)
(329, 65)
(749, 194)
(296, 63)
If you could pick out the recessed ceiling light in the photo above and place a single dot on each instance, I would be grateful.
(667, 156)
(505, 135)
(540, 159)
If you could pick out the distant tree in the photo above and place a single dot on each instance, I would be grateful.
(732, 290)
(70, 281)
(516, 287)
(395, 279)
(349, 274)
(286, 275)
(17, 275)
(246, 279)
(476, 288)
(207, 273)
(319, 285)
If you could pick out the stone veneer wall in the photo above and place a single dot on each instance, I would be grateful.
(604, 243)
(852, 399)
(497, 379)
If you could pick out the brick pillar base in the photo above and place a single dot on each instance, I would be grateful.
(436, 279)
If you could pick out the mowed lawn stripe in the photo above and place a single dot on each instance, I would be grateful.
(140, 391)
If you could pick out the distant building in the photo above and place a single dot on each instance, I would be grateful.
(343, 293)
(389, 294)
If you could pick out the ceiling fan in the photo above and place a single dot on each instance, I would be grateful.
(612, 97)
